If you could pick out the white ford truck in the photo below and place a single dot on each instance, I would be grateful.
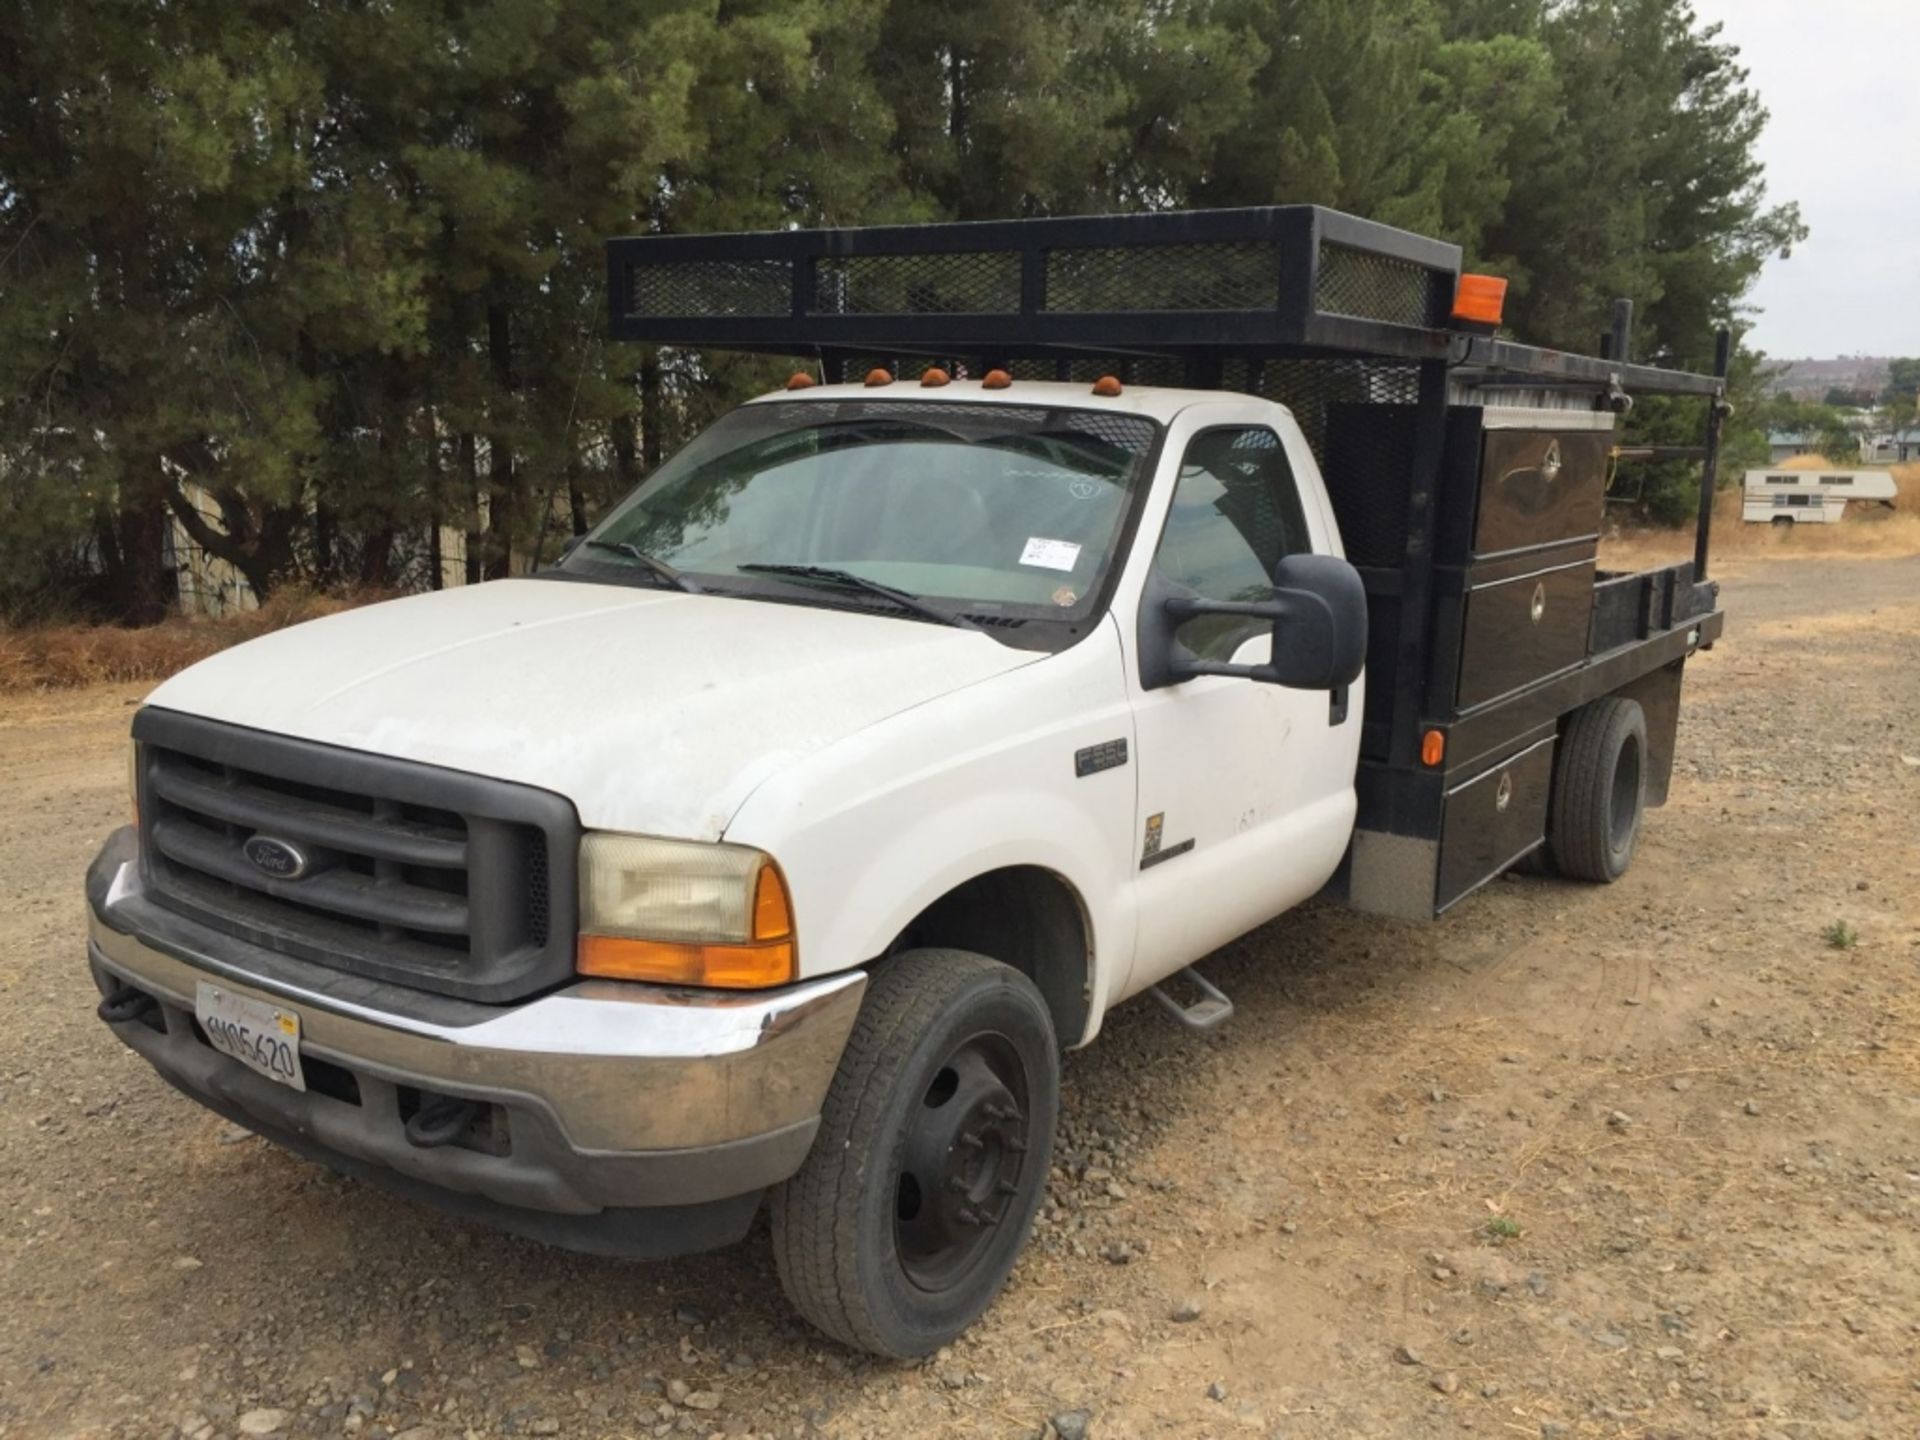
(769, 848)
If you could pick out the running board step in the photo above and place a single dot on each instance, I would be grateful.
(1212, 1010)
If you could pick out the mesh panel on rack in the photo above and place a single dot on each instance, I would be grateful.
(1237, 275)
(981, 283)
(1375, 287)
(1131, 433)
(712, 287)
(1356, 415)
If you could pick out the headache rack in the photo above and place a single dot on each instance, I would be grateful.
(1490, 620)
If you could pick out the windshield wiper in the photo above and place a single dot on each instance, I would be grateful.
(659, 568)
(847, 580)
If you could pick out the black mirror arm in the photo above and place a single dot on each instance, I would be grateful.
(1181, 608)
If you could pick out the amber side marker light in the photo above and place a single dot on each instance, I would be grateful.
(770, 958)
(1479, 302)
(1109, 386)
(996, 380)
(935, 377)
(799, 380)
(879, 377)
(1433, 748)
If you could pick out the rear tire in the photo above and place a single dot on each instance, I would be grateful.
(1599, 790)
(932, 1156)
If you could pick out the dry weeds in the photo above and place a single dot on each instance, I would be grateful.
(56, 657)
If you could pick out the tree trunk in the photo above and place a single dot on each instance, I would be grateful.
(502, 482)
(470, 472)
(435, 562)
(626, 450)
(132, 549)
(651, 413)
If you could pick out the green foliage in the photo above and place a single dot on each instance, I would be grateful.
(1503, 1227)
(1903, 381)
(1840, 936)
(314, 279)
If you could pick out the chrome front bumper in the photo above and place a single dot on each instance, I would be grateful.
(618, 1095)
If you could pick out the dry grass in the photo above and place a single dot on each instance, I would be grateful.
(1868, 529)
(53, 657)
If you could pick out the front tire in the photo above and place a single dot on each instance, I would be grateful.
(932, 1156)
(1599, 790)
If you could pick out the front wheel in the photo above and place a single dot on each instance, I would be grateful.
(932, 1155)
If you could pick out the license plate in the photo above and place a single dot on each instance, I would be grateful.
(262, 1037)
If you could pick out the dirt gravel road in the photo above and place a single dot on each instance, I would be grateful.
(1575, 1162)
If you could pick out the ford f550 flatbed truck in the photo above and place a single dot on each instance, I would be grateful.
(1100, 590)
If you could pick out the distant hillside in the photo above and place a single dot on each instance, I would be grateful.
(1811, 379)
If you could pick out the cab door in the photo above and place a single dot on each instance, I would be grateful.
(1246, 789)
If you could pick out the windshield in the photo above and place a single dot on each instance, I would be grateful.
(989, 509)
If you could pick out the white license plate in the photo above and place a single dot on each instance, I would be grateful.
(261, 1037)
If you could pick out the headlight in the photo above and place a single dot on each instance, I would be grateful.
(683, 913)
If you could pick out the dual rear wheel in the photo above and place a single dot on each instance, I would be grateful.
(1599, 791)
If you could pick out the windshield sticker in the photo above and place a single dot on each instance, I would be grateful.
(1050, 554)
(1064, 597)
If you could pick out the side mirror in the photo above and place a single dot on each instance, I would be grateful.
(1319, 618)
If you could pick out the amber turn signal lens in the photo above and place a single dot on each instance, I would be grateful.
(1108, 385)
(1433, 748)
(878, 377)
(996, 380)
(799, 380)
(1480, 300)
(670, 962)
(772, 911)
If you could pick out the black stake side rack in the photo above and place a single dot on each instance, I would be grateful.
(1488, 643)
(1199, 287)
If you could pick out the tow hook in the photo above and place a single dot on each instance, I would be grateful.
(440, 1120)
(126, 1002)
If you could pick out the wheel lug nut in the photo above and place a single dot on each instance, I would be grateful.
(971, 1139)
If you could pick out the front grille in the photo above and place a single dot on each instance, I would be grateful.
(428, 877)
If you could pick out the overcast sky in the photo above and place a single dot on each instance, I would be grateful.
(1842, 80)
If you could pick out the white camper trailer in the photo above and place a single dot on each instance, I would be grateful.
(1817, 497)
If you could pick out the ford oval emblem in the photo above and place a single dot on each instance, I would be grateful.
(281, 859)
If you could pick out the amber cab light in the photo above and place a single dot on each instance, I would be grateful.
(935, 377)
(877, 377)
(799, 380)
(1479, 301)
(1108, 385)
(996, 380)
(673, 962)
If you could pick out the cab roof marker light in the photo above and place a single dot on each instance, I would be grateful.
(996, 380)
(935, 377)
(877, 377)
(1108, 386)
(799, 380)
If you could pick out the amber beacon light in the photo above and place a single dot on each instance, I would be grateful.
(1479, 301)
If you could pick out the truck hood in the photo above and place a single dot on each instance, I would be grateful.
(652, 710)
